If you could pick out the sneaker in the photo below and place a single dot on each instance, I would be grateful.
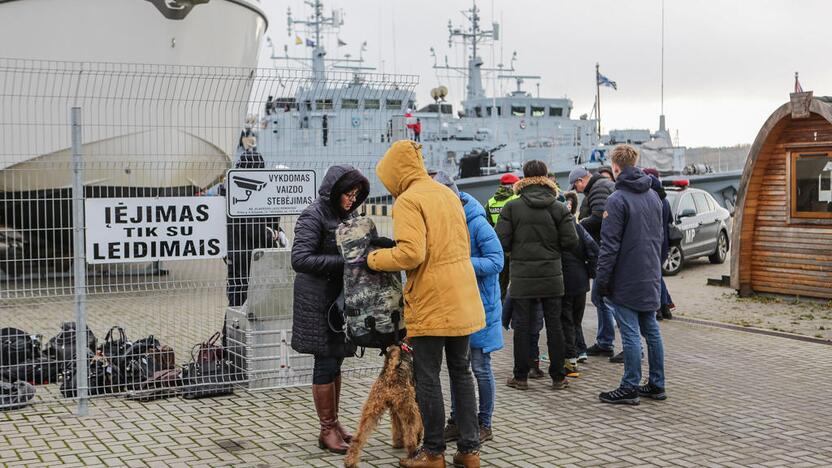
(451, 431)
(596, 350)
(582, 358)
(485, 434)
(571, 370)
(535, 372)
(652, 392)
(518, 384)
(560, 384)
(620, 396)
(618, 358)
(467, 459)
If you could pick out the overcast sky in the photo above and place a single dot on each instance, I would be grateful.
(728, 63)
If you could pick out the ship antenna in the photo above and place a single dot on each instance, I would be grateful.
(661, 116)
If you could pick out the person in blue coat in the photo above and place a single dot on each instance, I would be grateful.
(487, 259)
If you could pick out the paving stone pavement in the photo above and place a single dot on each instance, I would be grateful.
(736, 399)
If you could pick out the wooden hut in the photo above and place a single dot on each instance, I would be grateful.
(782, 235)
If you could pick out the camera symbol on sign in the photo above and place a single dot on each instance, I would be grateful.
(249, 185)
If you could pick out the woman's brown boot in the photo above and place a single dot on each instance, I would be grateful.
(341, 430)
(325, 401)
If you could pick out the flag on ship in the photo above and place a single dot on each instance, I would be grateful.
(604, 81)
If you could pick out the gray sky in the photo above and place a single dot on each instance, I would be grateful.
(728, 64)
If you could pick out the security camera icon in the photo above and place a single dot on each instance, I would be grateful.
(249, 185)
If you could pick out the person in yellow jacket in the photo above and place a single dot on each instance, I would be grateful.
(442, 303)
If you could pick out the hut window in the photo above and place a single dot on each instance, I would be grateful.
(371, 104)
(538, 111)
(811, 185)
(349, 104)
(518, 111)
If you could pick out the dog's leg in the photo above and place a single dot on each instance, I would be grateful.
(411, 425)
(396, 429)
(373, 409)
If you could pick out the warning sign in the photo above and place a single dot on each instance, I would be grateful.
(120, 230)
(268, 192)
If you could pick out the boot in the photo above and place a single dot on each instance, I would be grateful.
(329, 438)
(467, 460)
(423, 459)
(535, 372)
(341, 430)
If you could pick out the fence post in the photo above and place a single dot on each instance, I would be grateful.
(79, 264)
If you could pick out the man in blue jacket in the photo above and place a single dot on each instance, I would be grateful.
(487, 259)
(629, 274)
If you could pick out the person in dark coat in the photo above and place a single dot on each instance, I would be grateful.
(325, 129)
(578, 268)
(667, 218)
(534, 229)
(319, 281)
(629, 275)
(596, 189)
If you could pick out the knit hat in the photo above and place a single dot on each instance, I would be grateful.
(443, 178)
(508, 179)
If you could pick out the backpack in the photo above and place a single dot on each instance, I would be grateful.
(15, 395)
(17, 346)
(61, 348)
(372, 304)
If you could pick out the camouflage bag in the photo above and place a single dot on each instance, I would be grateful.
(373, 302)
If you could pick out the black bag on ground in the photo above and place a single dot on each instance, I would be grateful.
(15, 395)
(150, 370)
(102, 377)
(61, 347)
(208, 374)
(37, 372)
(17, 346)
(115, 347)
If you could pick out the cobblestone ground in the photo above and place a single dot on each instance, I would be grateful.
(736, 399)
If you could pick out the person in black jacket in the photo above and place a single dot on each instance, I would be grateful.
(667, 218)
(319, 281)
(578, 268)
(534, 229)
(596, 189)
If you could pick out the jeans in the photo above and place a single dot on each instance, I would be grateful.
(606, 323)
(573, 308)
(522, 322)
(326, 369)
(486, 387)
(427, 362)
(633, 325)
(665, 295)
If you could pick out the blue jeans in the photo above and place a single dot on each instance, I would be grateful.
(665, 297)
(634, 324)
(606, 323)
(486, 387)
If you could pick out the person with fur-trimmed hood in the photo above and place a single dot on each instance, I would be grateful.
(534, 229)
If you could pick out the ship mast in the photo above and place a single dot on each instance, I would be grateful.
(318, 21)
(476, 35)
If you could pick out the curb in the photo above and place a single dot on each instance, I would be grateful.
(757, 331)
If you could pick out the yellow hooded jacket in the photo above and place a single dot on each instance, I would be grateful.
(432, 246)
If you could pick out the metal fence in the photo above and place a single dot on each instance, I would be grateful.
(144, 135)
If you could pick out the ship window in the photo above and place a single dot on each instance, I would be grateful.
(518, 111)
(811, 185)
(372, 104)
(538, 111)
(411, 104)
(349, 104)
(478, 111)
(393, 104)
(323, 104)
(490, 110)
(555, 112)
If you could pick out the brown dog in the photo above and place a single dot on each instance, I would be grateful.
(393, 390)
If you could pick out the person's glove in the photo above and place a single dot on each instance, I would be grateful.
(604, 290)
(383, 242)
(360, 262)
(506, 320)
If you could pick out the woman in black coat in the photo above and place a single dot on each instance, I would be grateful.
(319, 280)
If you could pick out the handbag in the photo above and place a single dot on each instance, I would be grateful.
(208, 374)
(15, 395)
(61, 347)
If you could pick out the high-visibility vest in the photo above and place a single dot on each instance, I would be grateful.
(494, 207)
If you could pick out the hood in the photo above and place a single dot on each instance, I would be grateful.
(537, 192)
(401, 165)
(592, 180)
(656, 185)
(632, 179)
(503, 192)
(472, 207)
(339, 179)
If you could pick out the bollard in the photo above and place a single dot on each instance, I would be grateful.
(79, 264)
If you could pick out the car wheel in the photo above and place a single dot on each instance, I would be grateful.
(721, 252)
(673, 264)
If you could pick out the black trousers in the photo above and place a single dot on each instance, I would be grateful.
(326, 369)
(573, 315)
(522, 323)
(427, 362)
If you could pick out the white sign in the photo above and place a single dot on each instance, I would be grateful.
(121, 230)
(268, 192)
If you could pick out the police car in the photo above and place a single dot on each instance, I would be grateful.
(700, 227)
